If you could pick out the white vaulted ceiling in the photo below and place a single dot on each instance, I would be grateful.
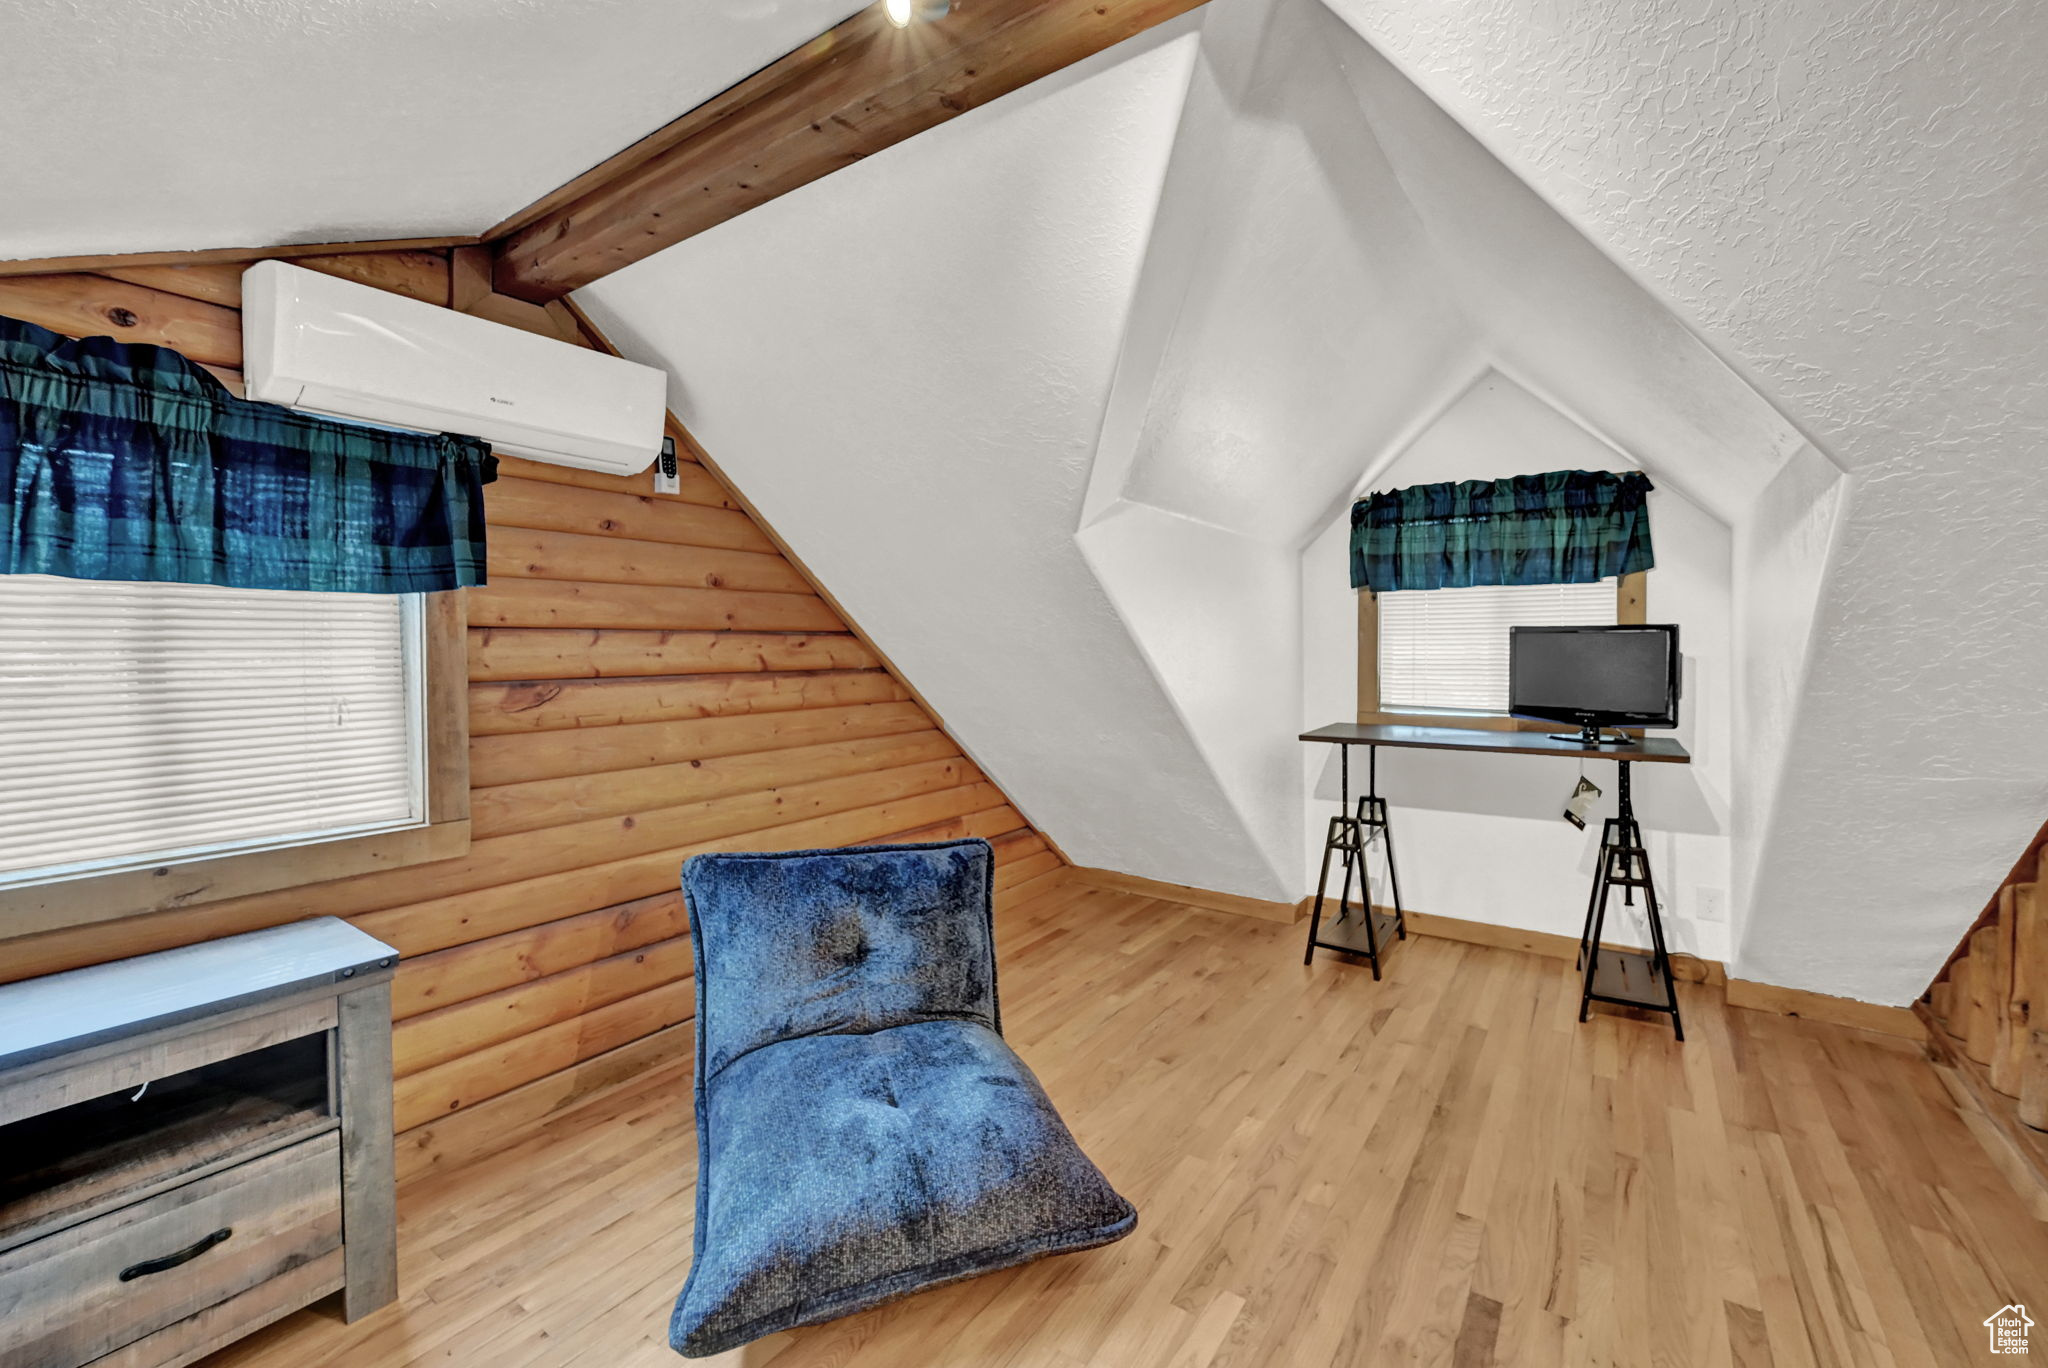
(904, 364)
(1055, 395)
(158, 125)
(1851, 201)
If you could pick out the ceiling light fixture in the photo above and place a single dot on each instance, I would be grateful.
(902, 12)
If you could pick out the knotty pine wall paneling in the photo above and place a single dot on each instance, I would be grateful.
(649, 678)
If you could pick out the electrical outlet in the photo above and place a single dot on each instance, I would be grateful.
(1709, 904)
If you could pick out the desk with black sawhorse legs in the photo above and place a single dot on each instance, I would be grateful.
(1626, 978)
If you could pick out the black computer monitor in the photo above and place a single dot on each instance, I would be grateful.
(1594, 677)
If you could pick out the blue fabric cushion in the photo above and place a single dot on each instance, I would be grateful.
(863, 1132)
(839, 940)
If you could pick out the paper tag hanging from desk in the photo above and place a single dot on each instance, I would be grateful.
(1582, 799)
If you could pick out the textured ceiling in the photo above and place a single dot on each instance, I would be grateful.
(1179, 305)
(1754, 243)
(1102, 396)
(158, 125)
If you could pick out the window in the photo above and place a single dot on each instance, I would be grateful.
(1440, 656)
(163, 744)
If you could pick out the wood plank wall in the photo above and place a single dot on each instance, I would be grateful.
(650, 677)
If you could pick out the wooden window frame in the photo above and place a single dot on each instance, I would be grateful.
(1631, 609)
(84, 901)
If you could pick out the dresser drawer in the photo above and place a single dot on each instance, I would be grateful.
(72, 1296)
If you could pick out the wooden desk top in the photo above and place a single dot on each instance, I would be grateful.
(1650, 748)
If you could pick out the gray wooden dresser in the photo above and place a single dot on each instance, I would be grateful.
(193, 1144)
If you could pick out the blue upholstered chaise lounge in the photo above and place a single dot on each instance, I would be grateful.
(862, 1130)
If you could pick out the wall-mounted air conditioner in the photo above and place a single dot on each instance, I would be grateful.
(330, 346)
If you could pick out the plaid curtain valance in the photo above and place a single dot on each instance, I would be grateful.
(122, 462)
(1564, 527)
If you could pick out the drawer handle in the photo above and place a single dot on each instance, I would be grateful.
(169, 1261)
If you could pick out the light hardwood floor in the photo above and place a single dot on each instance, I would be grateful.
(1442, 1168)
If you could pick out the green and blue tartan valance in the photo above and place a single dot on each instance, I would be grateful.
(122, 462)
(1564, 527)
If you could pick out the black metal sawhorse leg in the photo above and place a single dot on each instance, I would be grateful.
(1626, 978)
(1351, 833)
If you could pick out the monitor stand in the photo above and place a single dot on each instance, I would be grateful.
(1589, 735)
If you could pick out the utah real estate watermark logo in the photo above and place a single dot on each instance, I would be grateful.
(2008, 1327)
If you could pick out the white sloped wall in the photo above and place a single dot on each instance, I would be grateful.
(1850, 201)
(905, 365)
(1336, 261)
(1058, 396)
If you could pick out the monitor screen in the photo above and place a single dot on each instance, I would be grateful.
(1611, 675)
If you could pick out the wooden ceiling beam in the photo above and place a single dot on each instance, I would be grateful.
(79, 305)
(422, 275)
(847, 94)
(207, 256)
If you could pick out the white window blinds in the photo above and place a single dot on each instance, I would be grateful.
(142, 723)
(1447, 649)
